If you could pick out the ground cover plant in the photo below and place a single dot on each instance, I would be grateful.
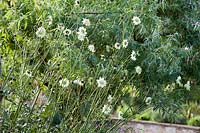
(70, 65)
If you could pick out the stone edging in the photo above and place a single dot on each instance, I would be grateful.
(165, 124)
(138, 126)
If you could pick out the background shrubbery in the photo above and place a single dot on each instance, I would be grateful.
(54, 60)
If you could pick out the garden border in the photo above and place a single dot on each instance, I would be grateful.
(140, 126)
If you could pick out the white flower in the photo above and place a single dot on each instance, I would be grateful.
(102, 57)
(187, 86)
(126, 72)
(120, 115)
(67, 32)
(133, 58)
(64, 83)
(125, 43)
(169, 87)
(136, 20)
(91, 48)
(41, 32)
(81, 33)
(101, 82)
(50, 20)
(78, 82)
(110, 98)
(186, 48)
(108, 48)
(61, 27)
(178, 81)
(148, 100)
(138, 70)
(77, 2)
(86, 22)
(81, 37)
(28, 73)
(133, 55)
(106, 109)
(82, 30)
(117, 45)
